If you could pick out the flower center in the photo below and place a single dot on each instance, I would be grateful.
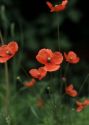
(71, 58)
(56, 5)
(8, 53)
(48, 59)
(39, 74)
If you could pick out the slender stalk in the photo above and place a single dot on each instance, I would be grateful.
(7, 94)
(2, 42)
(7, 98)
(14, 70)
(84, 82)
(66, 69)
(58, 25)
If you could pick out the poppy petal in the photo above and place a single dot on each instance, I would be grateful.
(57, 58)
(49, 4)
(30, 83)
(43, 72)
(43, 55)
(70, 87)
(8, 51)
(51, 68)
(71, 91)
(86, 102)
(76, 60)
(3, 50)
(71, 57)
(38, 73)
(64, 2)
(34, 73)
(58, 8)
(79, 109)
(13, 47)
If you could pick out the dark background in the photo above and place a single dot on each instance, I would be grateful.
(77, 32)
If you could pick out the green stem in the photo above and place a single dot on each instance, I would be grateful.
(7, 88)
(7, 98)
(84, 82)
(59, 45)
(2, 42)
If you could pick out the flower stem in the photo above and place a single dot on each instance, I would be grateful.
(7, 97)
(58, 25)
(86, 78)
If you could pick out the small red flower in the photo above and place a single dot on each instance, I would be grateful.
(71, 91)
(82, 105)
(57, 8)
(71, 57)
(30, 83)
(86, 102)
(38, 73)
(79, 106)
(51, 60)
(8, 51)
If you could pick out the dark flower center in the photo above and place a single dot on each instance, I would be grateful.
(8, 53)
(39, 75)
(71, 58)
(48, 59)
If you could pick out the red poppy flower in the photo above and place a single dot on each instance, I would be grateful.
(57, 8)
(30, 83)
(8, 51)
(79, 106)
(82, 105)
(86, 102)
(51, 60)
(38, 73)
(71, 91)
(71, 57)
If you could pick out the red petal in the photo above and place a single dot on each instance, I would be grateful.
(64, 2)
(70, 91)
(57, 58)
(86, 102)
(30, 84)
(43, 55)
(34, 73)
(38, 73)
(51, 68)
(43, 72)
(75, 60)
(79, 103)
(66, 56)
(79, 109)
(74, 93)
(70, 87)
(71, 57)
(72, 54)
(49, 4)
(8, 51)
(58, 8)
(3, 55)
(3, 50)
(13, 47)
(3, 59)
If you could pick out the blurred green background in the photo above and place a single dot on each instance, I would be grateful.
(32, 25)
